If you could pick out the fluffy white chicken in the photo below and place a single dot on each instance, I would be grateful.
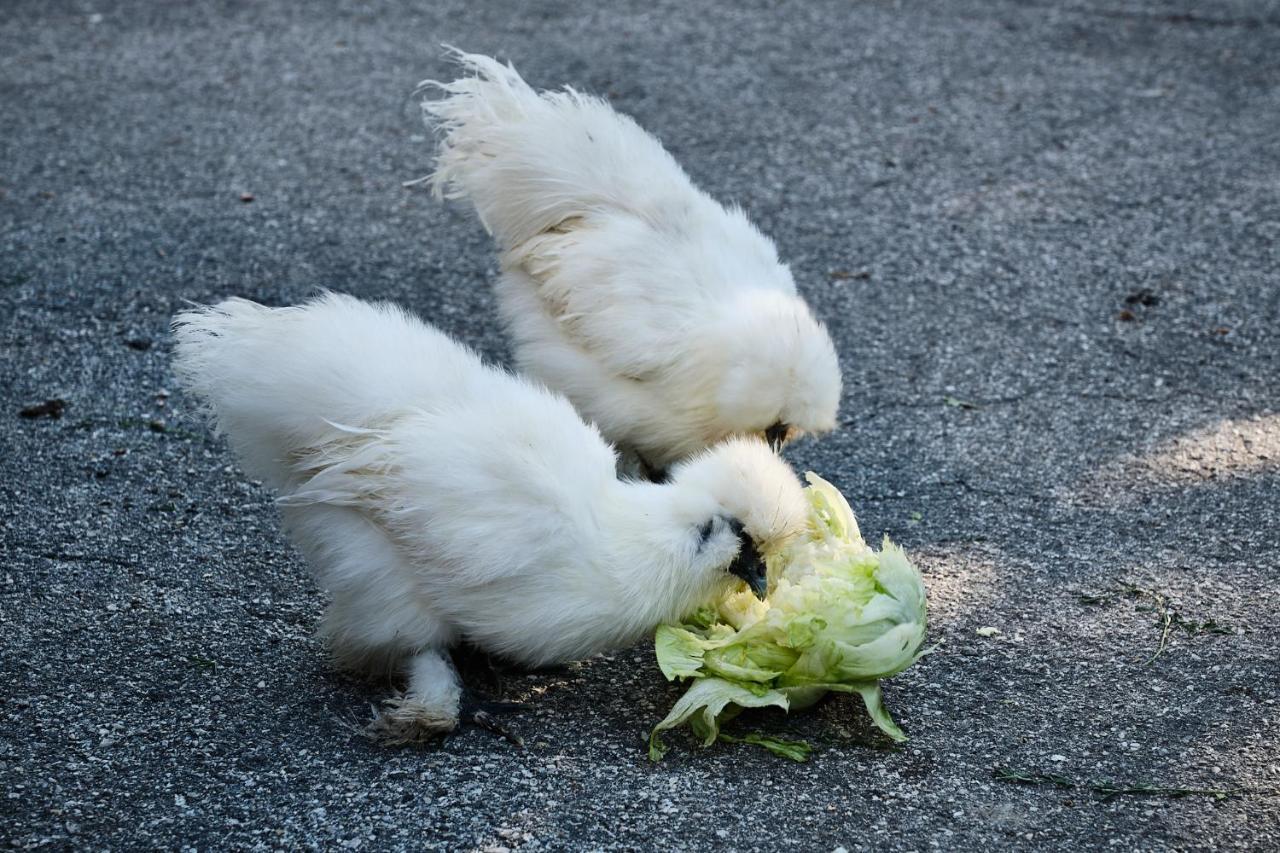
(441, 500)
(665, 317)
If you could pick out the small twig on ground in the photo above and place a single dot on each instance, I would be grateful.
(202, 663)
(1106, 790)
(957, 403)
(1027, 777)
(1167, 615)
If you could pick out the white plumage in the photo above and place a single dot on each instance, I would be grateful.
(439, 499)
(665, 317)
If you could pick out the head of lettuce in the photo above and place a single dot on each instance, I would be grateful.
(839, 617)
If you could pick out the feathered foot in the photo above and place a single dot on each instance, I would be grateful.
(403, 721)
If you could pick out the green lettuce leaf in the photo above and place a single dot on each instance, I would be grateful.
(707, 699)
(841, 617)
(796, 750)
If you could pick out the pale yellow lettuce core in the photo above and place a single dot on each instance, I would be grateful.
(840, 616)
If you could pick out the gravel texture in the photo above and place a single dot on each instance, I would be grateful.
(1044, 236)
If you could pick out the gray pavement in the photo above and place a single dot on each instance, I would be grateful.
(1044, 236)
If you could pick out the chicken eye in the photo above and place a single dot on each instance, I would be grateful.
(713, 526)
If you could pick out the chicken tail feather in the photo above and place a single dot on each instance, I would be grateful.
(528, 161)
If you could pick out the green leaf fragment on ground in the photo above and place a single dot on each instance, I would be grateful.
(796, 750)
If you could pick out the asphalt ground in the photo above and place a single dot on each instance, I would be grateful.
(1044, 236)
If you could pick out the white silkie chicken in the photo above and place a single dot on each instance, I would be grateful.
(441, 500)
(665, 317)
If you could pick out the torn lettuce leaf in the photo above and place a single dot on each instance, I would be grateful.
(796, 750)
(840, 616)
(703, 706)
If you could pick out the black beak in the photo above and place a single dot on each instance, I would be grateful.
(776, 435)
(748, 565)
